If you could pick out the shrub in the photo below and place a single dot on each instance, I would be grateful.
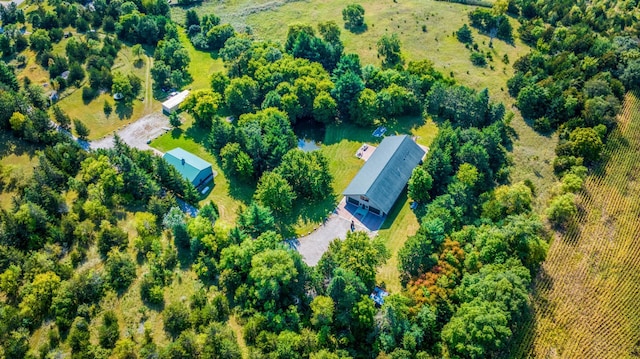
(88, 94)
(176, 319)
(120, 270)
(150, 290)
(464, 35)
(109, 331)
(353, 16)
(478, 59)
(561, 209)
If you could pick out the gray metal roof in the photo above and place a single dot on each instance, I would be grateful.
(387, 171)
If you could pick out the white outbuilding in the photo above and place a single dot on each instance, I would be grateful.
(172, 104)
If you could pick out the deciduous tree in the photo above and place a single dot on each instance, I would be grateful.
(389, 50)
(562, 208)
(275, 192)
(353, 16)
(420, 184)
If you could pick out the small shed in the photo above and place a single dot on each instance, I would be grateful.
(172, 104)
(190, 166)
(385, 174)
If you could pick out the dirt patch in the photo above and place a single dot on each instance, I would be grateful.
(138, 133)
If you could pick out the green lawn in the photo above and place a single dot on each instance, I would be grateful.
(202, 64)
(400, 224)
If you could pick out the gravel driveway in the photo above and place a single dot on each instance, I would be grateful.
(313, 246)
(138, 133)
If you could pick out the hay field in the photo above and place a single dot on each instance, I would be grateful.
(587, 293)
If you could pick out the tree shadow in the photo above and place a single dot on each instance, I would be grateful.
(9, 144)
(138, 63)
(571, 232)
(184, 257)
(401, 125)
(523, 338)
(310, 129)
(545, 133)
(88, 95)
(124, 109)
(395, 210)
(404, 124)
(357, 30)
(158, 94)
(158, 307)
(176, 132)
(197, 134)
(616, 143)
(306, 212)
(239, 189)
(215, 54)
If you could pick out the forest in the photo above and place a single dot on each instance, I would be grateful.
(87, 229)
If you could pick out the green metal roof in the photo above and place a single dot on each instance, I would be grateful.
(386, 172)
(188, 164)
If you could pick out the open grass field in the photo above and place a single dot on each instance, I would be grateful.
(399, 226)
(269, 20)
(587, 293)
(92, 112)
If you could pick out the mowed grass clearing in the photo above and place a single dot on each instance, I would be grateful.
(341, 145)
(202, 64)
(586, 295)
(92, 112)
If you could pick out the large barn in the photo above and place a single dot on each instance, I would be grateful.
(383, 177)
(190, 166)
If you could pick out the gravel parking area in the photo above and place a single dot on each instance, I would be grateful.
(138, 133)
(313, 245)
